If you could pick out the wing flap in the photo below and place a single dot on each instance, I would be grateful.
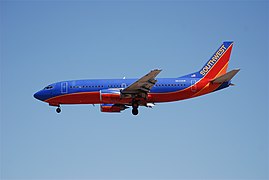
(225, 77)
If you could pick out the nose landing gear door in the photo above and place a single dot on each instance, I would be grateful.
(64, 86)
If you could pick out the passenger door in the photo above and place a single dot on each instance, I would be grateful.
(64, 86)
(193, 86)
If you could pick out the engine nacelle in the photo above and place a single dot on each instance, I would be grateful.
(112, 107)
(110, 95)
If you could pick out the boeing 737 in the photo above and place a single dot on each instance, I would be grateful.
(116, 95)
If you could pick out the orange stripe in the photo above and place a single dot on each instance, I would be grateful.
(205, 89)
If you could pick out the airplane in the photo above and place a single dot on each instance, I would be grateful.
(116, 95)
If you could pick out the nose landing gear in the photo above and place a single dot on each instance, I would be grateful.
(58, 109)
(135, 111)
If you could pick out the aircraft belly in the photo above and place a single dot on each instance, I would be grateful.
(76, 98)
(168, 97)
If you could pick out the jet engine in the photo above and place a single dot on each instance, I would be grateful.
(110, 95)
(112, 107)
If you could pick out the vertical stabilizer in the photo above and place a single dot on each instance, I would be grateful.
(217, 65)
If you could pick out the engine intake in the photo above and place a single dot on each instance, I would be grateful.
(110, 95)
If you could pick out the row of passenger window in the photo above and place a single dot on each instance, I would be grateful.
(118, 86)
(114, 86)
(158, 85)
(96, 86)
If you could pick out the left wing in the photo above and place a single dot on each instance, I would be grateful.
(142, 85)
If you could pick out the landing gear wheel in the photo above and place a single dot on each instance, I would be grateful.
(58, 110)
(135, 111)
(135, 107)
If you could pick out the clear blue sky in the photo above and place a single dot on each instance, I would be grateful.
(223, 135)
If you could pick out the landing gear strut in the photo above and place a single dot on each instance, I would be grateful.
(135, 111)
(58, 110)
(135, 108)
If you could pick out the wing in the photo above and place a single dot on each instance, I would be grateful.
(144, 84)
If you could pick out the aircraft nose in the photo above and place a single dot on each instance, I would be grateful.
(37, 95)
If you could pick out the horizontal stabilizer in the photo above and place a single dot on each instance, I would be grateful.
(226, 77)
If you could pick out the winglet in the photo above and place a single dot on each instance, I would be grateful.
(225, 77)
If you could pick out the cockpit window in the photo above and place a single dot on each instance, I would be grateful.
(48, 87)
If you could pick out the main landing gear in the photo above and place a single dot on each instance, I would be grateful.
(135, 108)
